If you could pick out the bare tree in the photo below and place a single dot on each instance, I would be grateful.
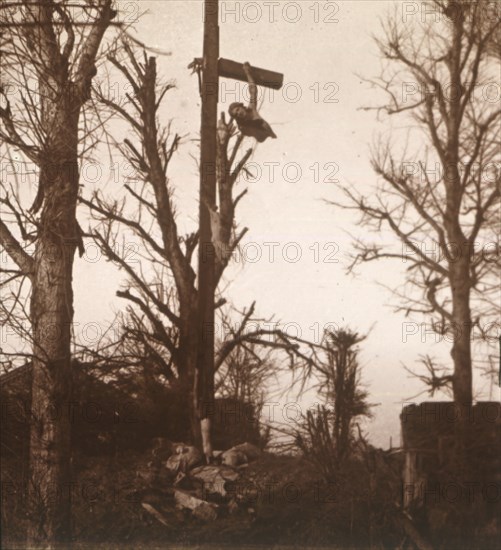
(170, 311)
(439, 193)
(49, 53)
(161, 289)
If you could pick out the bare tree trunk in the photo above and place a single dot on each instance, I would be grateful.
(459, 263)
(45, 44)
(52, 317)
(461, 348)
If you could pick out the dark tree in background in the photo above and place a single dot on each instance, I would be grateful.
(439, 193)
(49, 53)
(326, 434)
(341, 386)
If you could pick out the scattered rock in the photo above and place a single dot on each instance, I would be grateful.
(185, 458)
(214, 478)
(233, 458)
(161, 449)
(181, 480)
(200, 508)
(155, 513)
(241, 454)
(252, 452)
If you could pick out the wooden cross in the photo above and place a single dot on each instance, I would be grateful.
(213, 68)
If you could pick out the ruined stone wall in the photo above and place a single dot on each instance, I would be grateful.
(451, 479)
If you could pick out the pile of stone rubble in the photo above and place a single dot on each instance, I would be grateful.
(178, 474)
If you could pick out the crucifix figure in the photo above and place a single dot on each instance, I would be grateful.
(248, 120)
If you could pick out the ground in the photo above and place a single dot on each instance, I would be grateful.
(278, 502)
(283, 503)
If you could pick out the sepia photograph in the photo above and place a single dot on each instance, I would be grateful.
(250, 274)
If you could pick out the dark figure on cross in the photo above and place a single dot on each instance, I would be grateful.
(248, 120)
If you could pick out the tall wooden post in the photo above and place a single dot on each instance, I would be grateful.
(204, 386)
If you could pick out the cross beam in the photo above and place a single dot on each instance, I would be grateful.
(262, 77)
(235, 70)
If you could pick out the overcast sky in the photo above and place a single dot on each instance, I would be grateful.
(299, 276)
